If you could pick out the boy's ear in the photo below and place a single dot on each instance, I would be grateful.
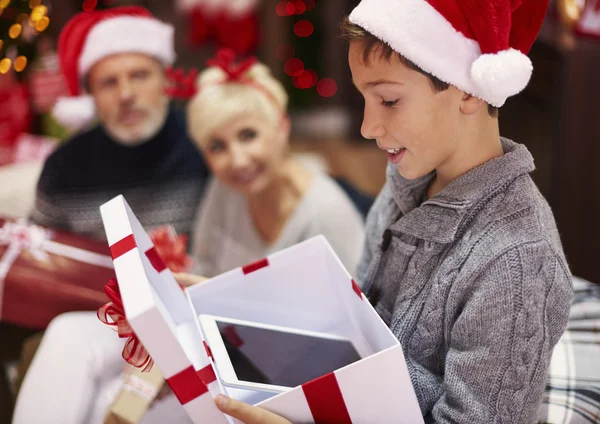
(470, 105)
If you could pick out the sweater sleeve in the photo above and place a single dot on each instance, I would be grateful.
(506, 322)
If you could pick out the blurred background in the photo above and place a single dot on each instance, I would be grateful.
(557, 116)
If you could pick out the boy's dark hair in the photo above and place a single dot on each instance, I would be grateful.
(353, 32)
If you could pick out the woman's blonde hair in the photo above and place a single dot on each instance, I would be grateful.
(218, 100)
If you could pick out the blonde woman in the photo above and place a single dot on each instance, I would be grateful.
(261, 199)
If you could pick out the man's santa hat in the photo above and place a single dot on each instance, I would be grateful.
(479, 46)
(92, 36)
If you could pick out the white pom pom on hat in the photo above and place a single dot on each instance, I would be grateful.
(501, 75)
(75, 112)
(478, 46)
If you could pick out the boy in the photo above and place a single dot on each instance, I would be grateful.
(463, 259)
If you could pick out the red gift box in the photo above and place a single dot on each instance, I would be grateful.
(45, 272)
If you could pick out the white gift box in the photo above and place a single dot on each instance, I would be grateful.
(304, 287)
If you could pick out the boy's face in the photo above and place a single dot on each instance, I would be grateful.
(404, 114)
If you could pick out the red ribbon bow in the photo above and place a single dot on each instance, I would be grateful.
(133, 352)
(226, 60)
(172, 248)
(183, 85)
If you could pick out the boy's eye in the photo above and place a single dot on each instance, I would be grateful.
(391, 103)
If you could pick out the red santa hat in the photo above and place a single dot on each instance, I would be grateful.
(92, 36)
(479, 46)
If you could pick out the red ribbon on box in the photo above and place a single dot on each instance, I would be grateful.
(187, 385)
(326, 401)
(133, 352)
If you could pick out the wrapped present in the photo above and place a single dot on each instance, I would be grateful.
(45, 272)
(139, 391)
(32, 148)
(304, 287)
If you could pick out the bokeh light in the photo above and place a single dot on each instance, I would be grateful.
(299, 7)
(15, 30)
(89, 5)
(20, 63)
(293, 67)
(285, 8)
(5, 65)
(42, 24)
(303, 28)
(303, 81)
(327, 87)
(38, 13)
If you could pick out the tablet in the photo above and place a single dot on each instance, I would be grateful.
(251, 355)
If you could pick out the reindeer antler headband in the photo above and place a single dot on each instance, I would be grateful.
(184, 86)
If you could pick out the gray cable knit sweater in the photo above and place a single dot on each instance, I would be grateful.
(474, 284)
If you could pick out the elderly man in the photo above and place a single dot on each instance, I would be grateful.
(113, 62)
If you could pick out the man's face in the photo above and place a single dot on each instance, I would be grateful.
(129, 92)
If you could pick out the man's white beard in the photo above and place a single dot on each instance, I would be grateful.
(132, 137)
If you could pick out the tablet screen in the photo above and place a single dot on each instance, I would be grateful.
(266, 356)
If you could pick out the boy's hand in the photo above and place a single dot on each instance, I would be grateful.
(246, 413)
(187, 280)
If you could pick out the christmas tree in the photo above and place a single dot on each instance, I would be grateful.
(21, 21)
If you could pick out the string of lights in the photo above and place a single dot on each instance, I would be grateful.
(294, 67)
